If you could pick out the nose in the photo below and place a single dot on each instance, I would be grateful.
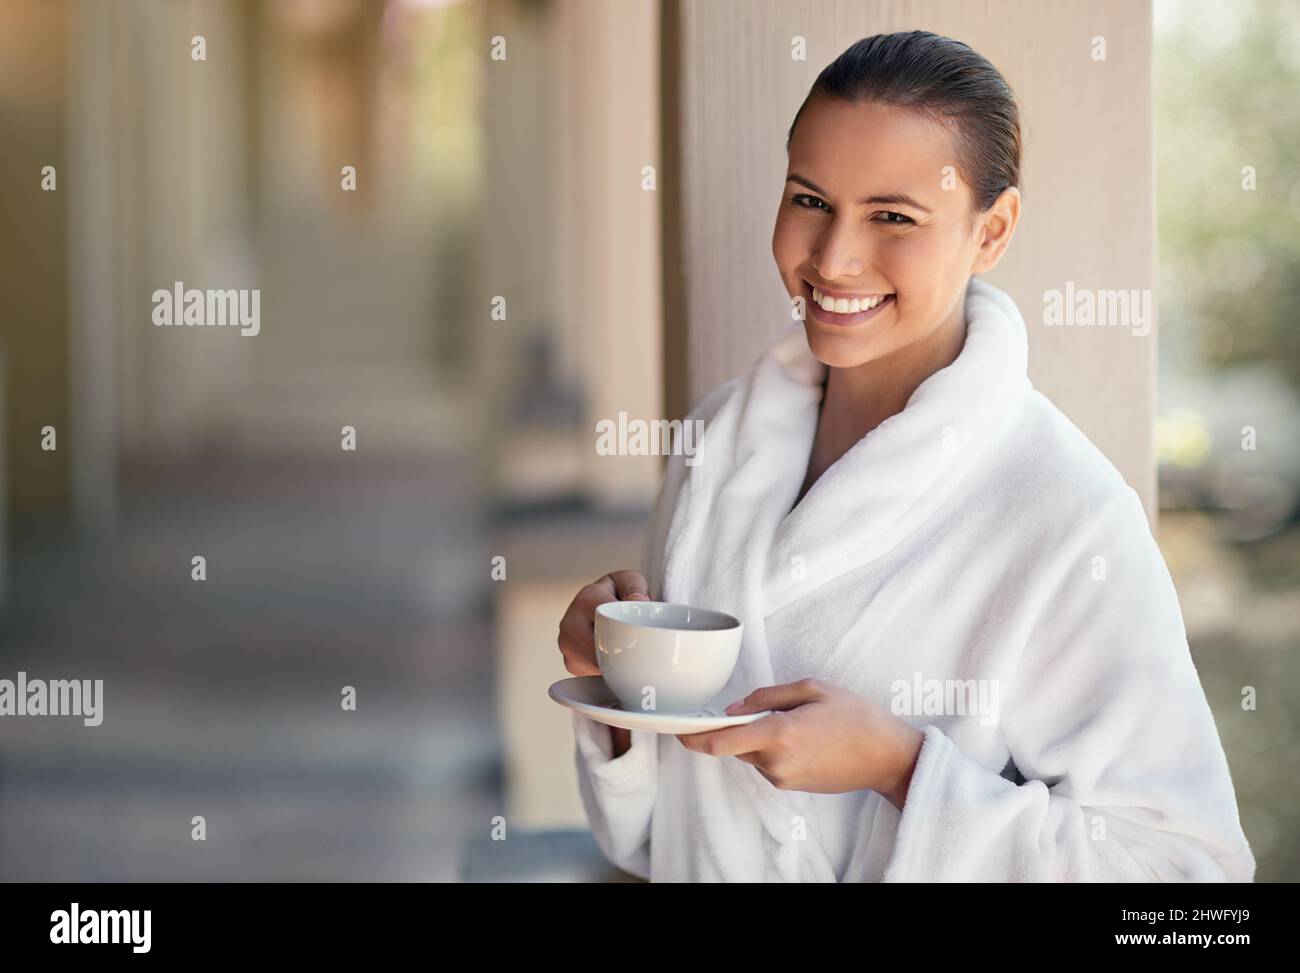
(839, 253)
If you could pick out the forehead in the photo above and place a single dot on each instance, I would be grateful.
(866, 148)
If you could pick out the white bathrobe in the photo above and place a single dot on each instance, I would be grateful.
(976, 546)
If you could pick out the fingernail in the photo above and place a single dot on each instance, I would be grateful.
(736, 705)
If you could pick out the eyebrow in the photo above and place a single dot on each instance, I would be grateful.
(902, 198)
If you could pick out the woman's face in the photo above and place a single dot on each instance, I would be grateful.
(874, 209)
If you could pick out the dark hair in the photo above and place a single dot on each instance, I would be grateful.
(941, 79)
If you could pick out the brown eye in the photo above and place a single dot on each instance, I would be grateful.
(901, 221)
(797, 197)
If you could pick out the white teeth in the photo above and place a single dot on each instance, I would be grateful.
(844, 305)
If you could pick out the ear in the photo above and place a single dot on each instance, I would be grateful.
(998, 223)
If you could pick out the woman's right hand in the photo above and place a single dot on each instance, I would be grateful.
(577, 639)
(578, 631)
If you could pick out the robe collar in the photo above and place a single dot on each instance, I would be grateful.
(887, 484)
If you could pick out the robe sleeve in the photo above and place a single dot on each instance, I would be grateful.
(1125, 778)
(618, 793)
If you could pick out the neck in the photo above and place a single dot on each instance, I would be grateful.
(862, 397)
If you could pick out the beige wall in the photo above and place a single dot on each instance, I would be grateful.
(1088, 216)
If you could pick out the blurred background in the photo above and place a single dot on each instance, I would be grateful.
(453, 353)
(493, 285)
(1229, 368)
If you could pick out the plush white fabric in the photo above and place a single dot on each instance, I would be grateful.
(976, 535)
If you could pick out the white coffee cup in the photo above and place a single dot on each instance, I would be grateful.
(665, 657)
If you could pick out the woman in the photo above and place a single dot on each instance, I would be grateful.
(953, 603)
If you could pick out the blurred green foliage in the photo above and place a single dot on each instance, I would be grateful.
(1227, 85)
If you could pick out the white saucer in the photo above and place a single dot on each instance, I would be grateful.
(590, 696)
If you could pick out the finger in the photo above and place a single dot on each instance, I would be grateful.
(578, 626)
(579, 657)
(630, 585)
(731, 741)
(598, 592)
(577, 629)
(580, 667)
(755, 757)
(785, 696)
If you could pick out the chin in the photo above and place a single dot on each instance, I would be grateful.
(837, 351)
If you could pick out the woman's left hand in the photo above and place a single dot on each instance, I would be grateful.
(821, 738)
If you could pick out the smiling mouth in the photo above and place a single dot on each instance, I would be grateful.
(846, 317)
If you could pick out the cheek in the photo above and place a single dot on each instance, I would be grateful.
(902, 264)
(917, 267)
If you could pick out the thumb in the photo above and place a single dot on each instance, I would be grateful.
(785, 696)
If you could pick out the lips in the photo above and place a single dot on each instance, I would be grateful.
(842, 320)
